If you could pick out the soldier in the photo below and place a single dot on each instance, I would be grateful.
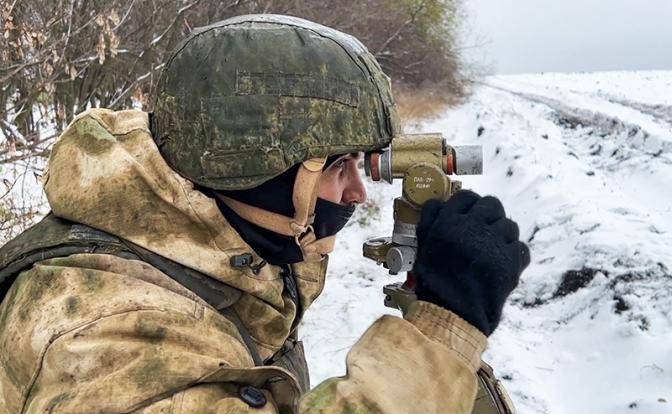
(184, 247)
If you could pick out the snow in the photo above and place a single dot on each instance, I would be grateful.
(583, 162)
(21, 193)
(20, 181)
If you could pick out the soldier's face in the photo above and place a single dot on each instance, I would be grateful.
(341, 182)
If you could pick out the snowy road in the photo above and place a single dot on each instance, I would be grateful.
(584, 164)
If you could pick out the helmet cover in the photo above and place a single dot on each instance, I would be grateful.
(243, 100)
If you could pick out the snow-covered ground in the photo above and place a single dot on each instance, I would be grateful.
(583, 162)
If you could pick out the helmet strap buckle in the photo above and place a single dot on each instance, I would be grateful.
(305, 236)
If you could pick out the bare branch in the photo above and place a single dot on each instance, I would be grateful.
(401, 28)
(130, 88)
(179, 15)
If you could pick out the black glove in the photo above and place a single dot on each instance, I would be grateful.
(469, 257)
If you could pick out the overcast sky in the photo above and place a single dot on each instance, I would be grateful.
(571, 35)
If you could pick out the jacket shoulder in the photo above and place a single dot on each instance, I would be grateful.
(115, 122)
(52, 237)
(116, 301)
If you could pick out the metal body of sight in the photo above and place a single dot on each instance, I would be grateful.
(424, 163)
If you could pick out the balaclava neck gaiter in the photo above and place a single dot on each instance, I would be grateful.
(276, 196)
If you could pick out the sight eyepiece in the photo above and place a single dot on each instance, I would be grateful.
(408, 151)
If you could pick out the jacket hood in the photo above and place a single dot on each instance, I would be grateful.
(105, 171)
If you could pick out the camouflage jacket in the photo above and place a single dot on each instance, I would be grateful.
(96, 332)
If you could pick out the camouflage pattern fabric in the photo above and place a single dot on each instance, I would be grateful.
(241, 101)
(101, 333)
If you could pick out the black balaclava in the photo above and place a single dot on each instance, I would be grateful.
(276, 196)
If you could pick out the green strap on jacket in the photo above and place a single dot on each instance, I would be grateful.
(54, 237)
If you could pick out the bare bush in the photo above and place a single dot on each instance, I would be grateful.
(57, 60)
(59, 57)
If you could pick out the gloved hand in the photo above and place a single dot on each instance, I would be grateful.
(469, 257)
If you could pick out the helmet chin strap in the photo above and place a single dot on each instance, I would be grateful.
(304, 197)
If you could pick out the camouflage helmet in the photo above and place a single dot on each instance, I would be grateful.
(243, 100)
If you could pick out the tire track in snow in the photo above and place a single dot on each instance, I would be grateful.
(603, 124)
(619, 151)
(634, 166)
(659, 112)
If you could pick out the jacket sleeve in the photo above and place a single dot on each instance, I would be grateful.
(426, 364)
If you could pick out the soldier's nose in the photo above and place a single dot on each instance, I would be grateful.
(355, 191)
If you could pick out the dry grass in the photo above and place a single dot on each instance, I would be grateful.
(415, 105)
